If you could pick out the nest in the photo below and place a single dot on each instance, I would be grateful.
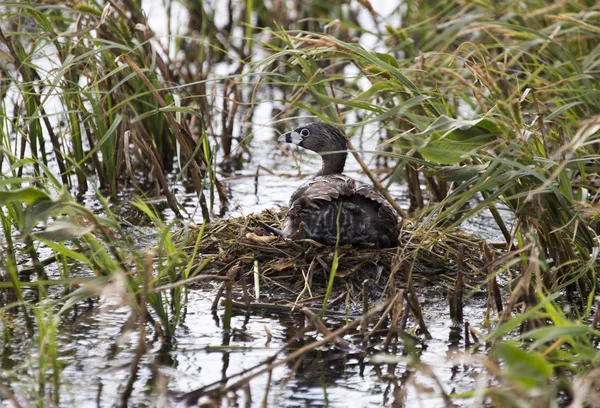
(297, 272)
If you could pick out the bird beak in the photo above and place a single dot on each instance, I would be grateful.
(291, 137)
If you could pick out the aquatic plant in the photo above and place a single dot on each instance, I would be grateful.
(478, 106)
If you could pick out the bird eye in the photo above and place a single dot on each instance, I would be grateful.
(305, 132)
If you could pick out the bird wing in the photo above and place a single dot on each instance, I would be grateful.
(326, 188)
(332, 186)
(387, 213)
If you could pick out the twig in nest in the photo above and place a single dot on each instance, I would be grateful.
(307, 281)
(299, 231)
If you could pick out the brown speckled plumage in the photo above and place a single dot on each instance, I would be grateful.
(364, 215)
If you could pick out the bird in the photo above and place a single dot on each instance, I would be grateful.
(332, 208)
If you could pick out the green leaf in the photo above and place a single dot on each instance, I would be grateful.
(516, 321)
(456, 173)
(552, 333)
(560, 110)
(450, 141)
(13, 180)
(397, 111)
(565, 185)
(376, 88)
(26, 195)
(69, 253)
(91, 288)
(43, 208)
(528, 368)
(64, 229)
(388, 59)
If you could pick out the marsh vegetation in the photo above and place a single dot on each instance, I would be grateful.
(138, 151)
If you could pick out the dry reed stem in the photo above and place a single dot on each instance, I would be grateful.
(4, 390)
(181, 134)
(586, 26)
(415, 307)
(313, 319)
(459, 287)
(396, 312)
(386, 312)
(25, 73)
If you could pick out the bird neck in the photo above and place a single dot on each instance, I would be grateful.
(333, 164)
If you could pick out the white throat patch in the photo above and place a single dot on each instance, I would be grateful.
(296, 137)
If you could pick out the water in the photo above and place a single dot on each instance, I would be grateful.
(97, 352)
